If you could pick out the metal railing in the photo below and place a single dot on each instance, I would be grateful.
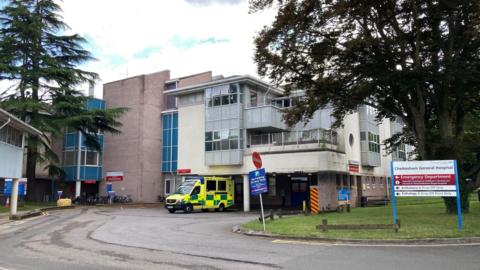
(318, 136)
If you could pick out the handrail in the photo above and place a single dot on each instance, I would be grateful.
(295, 137)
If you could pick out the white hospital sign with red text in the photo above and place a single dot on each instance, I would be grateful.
(434, 178)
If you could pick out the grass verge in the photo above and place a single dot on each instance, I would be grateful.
(420, 218)
(28, 206)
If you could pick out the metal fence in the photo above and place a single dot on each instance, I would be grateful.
(294, 137)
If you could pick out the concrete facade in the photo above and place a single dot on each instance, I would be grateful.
(137, 151)
(296, 159)
(245, 114)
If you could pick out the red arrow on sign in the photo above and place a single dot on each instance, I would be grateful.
(257, 160)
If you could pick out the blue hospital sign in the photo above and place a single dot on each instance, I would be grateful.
(258, 182)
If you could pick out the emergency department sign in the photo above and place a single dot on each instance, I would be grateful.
(258, 182)
(428, 178)
(435, 178)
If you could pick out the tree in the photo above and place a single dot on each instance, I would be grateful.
(418, 61)
(42, 61)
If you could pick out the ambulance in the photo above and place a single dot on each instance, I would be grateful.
(202, 193)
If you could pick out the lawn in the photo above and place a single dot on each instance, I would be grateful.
(420, 218)
(28, 206)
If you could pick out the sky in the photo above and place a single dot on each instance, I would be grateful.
(130, 38)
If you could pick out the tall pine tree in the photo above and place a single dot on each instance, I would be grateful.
(42, 64)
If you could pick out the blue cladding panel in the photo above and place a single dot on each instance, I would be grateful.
(174, 153)
(175, 121)
(166, 138)
(170, 142)
(95, 104)
(165, 166)
(175, 137)
(99, 139)
(166, 121)
(70, 172)
(70, 140)
(165, 156)
(90, 173)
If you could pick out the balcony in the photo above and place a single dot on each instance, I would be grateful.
(320, 139)
(267, 118)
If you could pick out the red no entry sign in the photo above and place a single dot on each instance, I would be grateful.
(257, 160)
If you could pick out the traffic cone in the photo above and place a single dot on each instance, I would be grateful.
(7, 203)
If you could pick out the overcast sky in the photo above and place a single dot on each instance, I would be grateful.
(185, 36)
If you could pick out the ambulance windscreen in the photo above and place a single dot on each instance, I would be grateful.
(185, 188)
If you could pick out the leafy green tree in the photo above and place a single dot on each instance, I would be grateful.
(40, 60)
(418, 61)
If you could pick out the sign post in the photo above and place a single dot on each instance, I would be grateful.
(258, 182)
(429, 178)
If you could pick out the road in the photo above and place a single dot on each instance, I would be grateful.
(150, 238)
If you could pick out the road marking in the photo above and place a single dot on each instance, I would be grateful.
(3, 268)
(317, 243)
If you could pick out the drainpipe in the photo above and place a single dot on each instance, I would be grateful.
(6, 123)
(78, 183)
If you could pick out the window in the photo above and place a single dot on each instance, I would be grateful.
(211, 185)
(222, 95)
(169, 142)
(216, 101)
(167, 186)
(170, 85)
(91, 158)
(11, 136)
(373, 142)
(70, 158)
(196, 190)
(171, 102)
(222, 185)
(253, 98)
(227, 139)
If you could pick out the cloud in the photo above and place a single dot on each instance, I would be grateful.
(147, 51)
(189, 42)
(146, 36)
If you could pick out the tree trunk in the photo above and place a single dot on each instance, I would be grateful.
(31, 168)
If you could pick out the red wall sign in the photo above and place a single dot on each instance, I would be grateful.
(114, 176)
(183, 171)
(353, 168)
(257, 160)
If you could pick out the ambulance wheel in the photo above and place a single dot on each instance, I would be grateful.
(221, 208)
(171, 211)
(188, 208)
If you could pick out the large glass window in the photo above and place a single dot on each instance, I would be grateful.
(373, 142)
(226, 139)
(11, 136)
(170, 142)
(70, 158)
(222, 95)
(91, 158)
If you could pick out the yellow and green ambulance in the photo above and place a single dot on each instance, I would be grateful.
(202, 193)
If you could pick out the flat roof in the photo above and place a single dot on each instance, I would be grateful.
(17, 123)
(232, 79)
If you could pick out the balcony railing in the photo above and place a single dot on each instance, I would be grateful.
(318, 136)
